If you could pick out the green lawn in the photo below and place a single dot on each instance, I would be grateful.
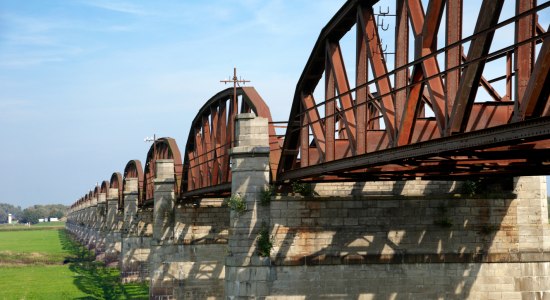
(39, 282)
(31, 267)
(32, 247)
(49, 224)
(39, 226)
(47, 241)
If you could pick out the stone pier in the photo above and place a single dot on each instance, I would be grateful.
(113, 235)
(247, 273)
(162, 242)
(135, 236)
(415, 239)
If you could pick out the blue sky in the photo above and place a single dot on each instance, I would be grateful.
(83, 82)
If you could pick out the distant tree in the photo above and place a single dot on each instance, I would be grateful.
(30, 215)
(6, 209)
(54, 213)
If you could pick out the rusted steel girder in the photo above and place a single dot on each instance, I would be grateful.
(104, 188)
(162, 148)
(411, 118)
(133, 169)
(116, 183)
(206, 168)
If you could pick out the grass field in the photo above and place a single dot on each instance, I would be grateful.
(31, 267)
(39, 226)
(39, 282)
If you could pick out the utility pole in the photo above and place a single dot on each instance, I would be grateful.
(236, 82)
(154, 159)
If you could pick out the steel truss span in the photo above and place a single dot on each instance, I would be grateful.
(432, 108)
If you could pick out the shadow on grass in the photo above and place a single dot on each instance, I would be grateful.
(94, 278)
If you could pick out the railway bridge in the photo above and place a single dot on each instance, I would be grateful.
(417, 172)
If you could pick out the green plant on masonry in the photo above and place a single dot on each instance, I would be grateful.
(265, 197)
(264, 243)
(445, 223)
(470, 187)
(302, 188)
(443, 220)
(236, 203)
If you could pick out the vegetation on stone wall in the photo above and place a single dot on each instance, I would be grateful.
(442, 218)
(471, 187)
(236, 203)
(302, 188)
(266, 194)
(264, 243)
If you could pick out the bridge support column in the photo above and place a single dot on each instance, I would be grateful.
(162, 244)
(112, 239)
(129, 254)
(91, 235)
(532, 214)
(101, 229)
(247, 274)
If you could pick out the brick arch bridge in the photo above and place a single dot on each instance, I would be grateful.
(412, 173)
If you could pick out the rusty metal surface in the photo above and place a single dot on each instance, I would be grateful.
(116, 183)
(104, 189)
(133, 169)
(206, 161)
(162, 148)
(421, 116)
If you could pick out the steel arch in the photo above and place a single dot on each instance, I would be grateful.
(206, 163)
(133, 169)
(162, 148)
(116, 183)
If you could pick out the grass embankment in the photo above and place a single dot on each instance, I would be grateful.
(47, 264)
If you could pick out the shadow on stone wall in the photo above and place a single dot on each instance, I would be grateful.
(136, 245)
(389, 245)
(194, 264)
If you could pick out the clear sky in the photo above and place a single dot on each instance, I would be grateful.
(83, 82)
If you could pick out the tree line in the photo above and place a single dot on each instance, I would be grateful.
(33, 213)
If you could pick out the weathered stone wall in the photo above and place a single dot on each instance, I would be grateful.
(202, 229)
(204, 221)
(510, 281)
(250, 176)
(113, 228)
(416, 187)
(446, 246)
(376, 240)
(386, 226)
(136, 247)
